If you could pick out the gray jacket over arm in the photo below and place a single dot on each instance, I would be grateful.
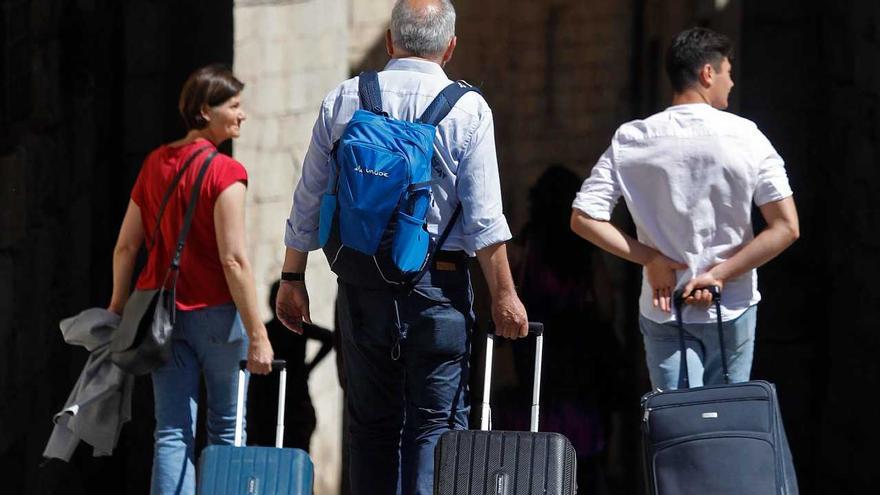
(100, 402)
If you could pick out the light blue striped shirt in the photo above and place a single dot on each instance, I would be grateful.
(464, 143)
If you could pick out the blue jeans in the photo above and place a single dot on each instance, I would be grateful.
(208, 342)
(703, 352)
(398, 408)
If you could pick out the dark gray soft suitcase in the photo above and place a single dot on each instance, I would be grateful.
(485, 462)
(719, 440)
(239, 470)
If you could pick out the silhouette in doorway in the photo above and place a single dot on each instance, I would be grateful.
(564, 283)
(299, 414)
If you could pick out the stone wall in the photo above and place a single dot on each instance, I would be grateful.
(368, 22)
(290, 55)
(557, 76)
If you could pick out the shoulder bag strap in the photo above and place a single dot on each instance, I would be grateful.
(151, 240)
(190, 211)
(187, 222)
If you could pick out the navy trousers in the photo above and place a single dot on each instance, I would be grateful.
(406, 364)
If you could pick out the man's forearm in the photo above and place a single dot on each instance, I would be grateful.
(508, 313)
(781, 231)
(295, 261)
(608, 237)
(767, 245)
(496, 269)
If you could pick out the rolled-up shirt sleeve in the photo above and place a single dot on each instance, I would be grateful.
(772, 183)
(601, 191)
(479, 189)
(302, 225)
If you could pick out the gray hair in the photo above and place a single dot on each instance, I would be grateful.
(423, 32)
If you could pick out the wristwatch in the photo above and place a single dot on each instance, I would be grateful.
(293, 276)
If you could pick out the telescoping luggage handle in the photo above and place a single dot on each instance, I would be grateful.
(536, 329)
(277, 364)
(678, 302)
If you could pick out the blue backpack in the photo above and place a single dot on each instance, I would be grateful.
(372, 221)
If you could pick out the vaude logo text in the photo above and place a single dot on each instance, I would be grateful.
(370, 171)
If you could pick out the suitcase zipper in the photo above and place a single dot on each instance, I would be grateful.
(714, 401)
(646, 426)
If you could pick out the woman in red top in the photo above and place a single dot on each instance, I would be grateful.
(215, 291)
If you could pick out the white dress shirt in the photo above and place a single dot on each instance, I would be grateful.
(689, 176)
(464, 142)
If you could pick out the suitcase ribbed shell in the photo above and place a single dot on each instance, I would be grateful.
(474, 462)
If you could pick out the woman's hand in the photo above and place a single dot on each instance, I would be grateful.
(260, 356)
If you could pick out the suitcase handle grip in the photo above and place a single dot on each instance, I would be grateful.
(678, 302)
(277, 364)
(535, 328)
(679, 297)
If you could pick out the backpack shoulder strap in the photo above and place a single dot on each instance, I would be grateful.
(368, 90)
(444, 102)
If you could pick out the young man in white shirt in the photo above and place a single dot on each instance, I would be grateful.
(689, 175)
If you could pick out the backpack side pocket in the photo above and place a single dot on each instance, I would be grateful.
(410, 245)
(328, 212)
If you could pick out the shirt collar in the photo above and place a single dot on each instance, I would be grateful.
(688, 106)
(415, 65)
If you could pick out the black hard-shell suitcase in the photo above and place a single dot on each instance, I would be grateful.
(719, 440)
(239, 470)
(485, 462)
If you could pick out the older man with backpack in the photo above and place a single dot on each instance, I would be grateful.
(400, 187)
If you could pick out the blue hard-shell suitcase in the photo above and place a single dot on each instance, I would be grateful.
(238, 470)
(719, 440)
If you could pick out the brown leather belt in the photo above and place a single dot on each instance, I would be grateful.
(450, 260)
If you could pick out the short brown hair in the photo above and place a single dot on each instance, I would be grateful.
(211, 85)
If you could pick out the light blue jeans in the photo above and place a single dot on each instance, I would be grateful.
(207, 342)
(703, 352)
